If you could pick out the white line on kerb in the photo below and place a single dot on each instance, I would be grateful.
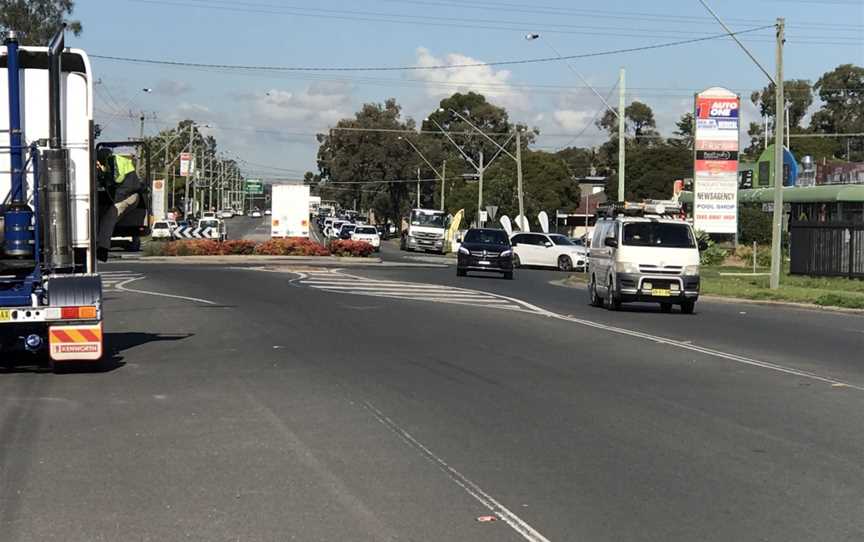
(515, 522)
(122, 287)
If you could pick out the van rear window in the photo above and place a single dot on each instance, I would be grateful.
(658, 234)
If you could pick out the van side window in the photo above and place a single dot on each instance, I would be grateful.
(599, 234)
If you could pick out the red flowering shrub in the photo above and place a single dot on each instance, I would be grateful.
(238, 247)
(291, 246)
(360, 249)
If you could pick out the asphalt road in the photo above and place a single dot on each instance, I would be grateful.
(361, 405)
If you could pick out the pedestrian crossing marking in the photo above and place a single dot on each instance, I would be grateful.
(110, 279)
(339, 282)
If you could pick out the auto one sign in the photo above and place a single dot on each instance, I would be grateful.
(715, 167)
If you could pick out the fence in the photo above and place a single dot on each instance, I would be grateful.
(827, 249)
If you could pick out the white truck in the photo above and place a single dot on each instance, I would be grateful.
(426, 231)
(290, 207)
(314, 204)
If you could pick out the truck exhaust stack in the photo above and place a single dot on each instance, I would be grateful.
(55, 184)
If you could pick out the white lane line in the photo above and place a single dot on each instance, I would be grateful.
(687, 345)
(398, 289)
(475, 299)
(515, 522)
(122, 287)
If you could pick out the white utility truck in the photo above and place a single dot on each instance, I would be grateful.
(290, 206)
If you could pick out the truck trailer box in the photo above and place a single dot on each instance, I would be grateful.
(290, 211)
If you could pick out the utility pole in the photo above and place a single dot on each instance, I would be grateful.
(777, 230)
(480, 191)
(443, 181)
(621, 126)
(418, 187)
(519, 173)
(188, 173)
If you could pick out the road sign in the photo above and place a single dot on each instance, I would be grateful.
(484, 216)
(254, 186)
(187, 164)
(492, 211)
(158, 199)
(196, 233)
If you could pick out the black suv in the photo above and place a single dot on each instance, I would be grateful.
(485, 250)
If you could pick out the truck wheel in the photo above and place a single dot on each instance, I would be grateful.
(135, 245)
(461, 272)
(665, 307)
(688, 306)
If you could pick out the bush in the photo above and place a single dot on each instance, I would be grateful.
(753, 224)
(350, 248)
(713, 254)
(291, 246)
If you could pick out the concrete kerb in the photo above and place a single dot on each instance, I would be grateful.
(256, 260)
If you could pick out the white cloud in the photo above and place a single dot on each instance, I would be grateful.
(171, 87)
(494, 84)
(571, 120)
(317, 106)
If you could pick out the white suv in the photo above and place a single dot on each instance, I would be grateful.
(547, 250)
(644, 258)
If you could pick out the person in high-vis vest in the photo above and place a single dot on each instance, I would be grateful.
(116, 174)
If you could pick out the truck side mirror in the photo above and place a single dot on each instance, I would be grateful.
(611, 242)
(703, 246)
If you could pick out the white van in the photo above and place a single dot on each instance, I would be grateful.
(644, 257)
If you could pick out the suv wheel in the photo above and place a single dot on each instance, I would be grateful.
(516, 261)
(565, 263)
(688, 306)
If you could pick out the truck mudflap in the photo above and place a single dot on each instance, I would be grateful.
(76, 343)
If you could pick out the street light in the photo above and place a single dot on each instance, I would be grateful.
(622, 157)
(439, 175)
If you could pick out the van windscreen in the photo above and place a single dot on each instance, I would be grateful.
(658, 234)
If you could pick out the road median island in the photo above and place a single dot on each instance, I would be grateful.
(292, 246)
(734, 283)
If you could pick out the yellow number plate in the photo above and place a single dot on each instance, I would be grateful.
(660, 293)
(5, 315)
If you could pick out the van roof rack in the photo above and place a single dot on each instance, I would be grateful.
(664, 208)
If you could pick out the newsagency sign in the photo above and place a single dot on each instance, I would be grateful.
(715, 170)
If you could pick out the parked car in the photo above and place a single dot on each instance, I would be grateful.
(548, 250)
(240, 212)
(161, 231)
(367, 234)
(226, 213)
(485, 250)
(256, 214)
(638, 258)
(333, 231)
(346, 230)
(268, 212)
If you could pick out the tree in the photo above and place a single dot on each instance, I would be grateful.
(363, 157)
(638, 117)
(651, 170)
(842, 94)
(37, 20)
(685, 130)
(799, 95)
(582, 162)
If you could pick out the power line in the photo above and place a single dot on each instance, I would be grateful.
(423, 68)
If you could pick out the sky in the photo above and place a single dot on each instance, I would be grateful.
(268, 118)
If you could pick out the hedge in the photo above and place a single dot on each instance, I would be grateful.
(292, 246)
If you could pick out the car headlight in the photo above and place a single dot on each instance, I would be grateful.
(691, 270)
(626, 267)
(506, 253)
(465, 251)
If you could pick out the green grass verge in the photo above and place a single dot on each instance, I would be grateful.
(821, 291)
